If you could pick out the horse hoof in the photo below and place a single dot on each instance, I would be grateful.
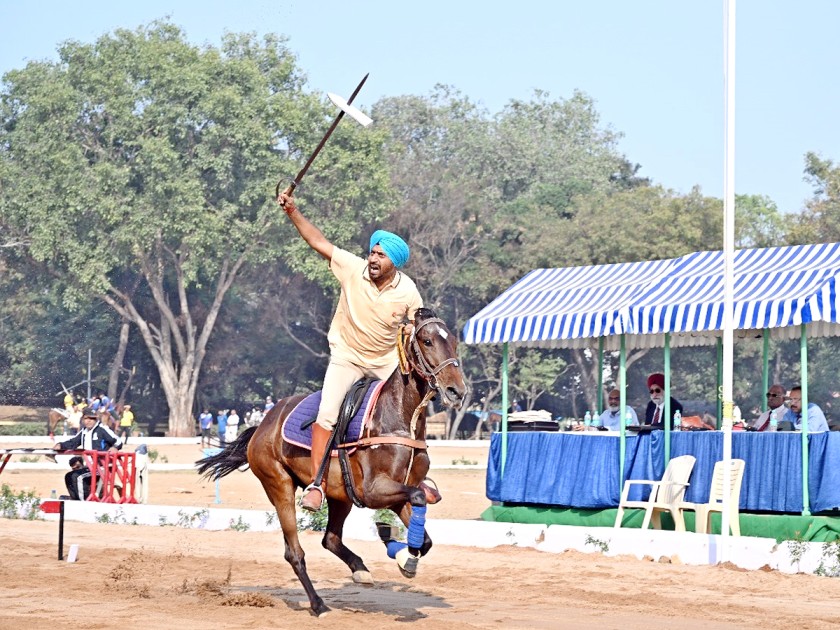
(407, 563)
(362, 577)
(321, 610)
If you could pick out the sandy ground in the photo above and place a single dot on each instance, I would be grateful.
(167, 577)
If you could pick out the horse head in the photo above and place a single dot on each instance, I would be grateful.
(433, 354)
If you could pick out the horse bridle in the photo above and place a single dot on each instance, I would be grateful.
(419, 362)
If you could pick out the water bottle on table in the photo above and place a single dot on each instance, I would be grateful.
(774, 420)
(587, 420)
(677, 420)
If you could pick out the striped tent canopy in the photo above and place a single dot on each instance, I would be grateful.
(776, 288)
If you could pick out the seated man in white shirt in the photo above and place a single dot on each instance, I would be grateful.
(816, 418)
(611, 418)
(775, 403)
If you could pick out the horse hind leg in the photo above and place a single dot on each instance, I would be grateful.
(333, 542)
(280, 488)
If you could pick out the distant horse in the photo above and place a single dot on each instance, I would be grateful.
(387, 476)
(54, 418)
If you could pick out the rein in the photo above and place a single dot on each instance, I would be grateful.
(408, 362)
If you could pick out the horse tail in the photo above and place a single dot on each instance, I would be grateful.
(231, 458)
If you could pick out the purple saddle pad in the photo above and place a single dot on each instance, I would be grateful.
(307, 409)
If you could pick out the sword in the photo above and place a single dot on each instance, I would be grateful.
(346, 108)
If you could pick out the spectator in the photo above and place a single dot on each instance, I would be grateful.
(68, 401)
(256, 417)
(775, 400)
(655, 411)
(269, 404)
(221, 426)
(816, 418)
(93, 436)
(77, 480)
(611, 418)
(126, 422)
(232, 429)
(205, 421)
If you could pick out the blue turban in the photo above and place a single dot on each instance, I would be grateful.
(394, 247)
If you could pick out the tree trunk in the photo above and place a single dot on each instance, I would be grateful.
(117, 363)
(588, 370)
(177, 344)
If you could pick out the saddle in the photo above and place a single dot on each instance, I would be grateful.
(355, 408)
(349, 407)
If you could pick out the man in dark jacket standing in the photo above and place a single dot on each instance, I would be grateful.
(93, 436)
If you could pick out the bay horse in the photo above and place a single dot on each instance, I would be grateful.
(388, 465)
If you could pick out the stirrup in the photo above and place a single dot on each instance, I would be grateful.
(430, 489)
(306, 492)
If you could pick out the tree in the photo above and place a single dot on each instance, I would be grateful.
(140, 167)
(820, 222)
(758, 222)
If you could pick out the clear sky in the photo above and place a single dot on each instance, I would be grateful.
(654, 67)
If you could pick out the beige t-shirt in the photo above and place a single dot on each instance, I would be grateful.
(364, 327)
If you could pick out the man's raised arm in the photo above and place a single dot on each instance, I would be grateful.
(311, 234)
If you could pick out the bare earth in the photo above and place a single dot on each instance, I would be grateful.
(166, 577)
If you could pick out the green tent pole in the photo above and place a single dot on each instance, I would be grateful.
(666, 407)
(803, 359)
(622, 378)
(600, 374)
(719, 382)
(765, 369)
(504, 406)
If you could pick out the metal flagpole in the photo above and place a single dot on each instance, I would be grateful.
(622, 440)
(504, 406)
(667, 412)
(803, 375)
(765, 368)
(728, 263)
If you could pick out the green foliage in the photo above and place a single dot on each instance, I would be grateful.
(239, 525)
(797, 549)
(187, 520)
(820, 220)
(830, 560)
(23, 428)
(388, 517)
(601, 545)
(464, 461)
(24, 504)
(315, 521)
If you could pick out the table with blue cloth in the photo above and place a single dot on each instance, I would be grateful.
(581, 470)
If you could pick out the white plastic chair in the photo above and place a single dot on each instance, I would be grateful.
(703, 511)
(665, 495)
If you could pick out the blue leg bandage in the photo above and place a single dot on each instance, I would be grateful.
(417, 527)
(393, 547)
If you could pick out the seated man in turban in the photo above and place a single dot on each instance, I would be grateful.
(375, 299)
(655, 411)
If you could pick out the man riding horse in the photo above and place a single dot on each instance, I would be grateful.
(375, 299)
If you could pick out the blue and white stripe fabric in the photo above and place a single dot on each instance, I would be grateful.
(774, 288)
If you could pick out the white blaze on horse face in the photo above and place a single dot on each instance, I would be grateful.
(443, 333)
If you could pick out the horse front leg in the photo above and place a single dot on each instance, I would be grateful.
(332, 541)
(410, 504)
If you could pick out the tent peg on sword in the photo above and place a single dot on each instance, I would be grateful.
(346, 107)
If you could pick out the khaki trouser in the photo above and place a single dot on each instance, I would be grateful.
(339, 378)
